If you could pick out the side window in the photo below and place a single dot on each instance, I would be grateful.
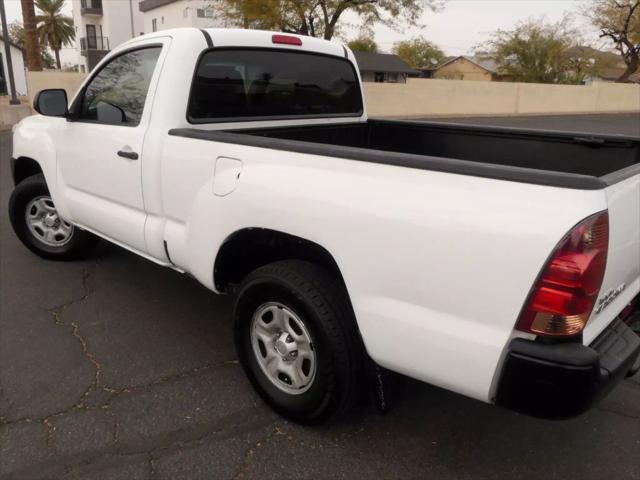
(116, 95)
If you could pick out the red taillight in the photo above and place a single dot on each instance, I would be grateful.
(286, 40)
(562, 299)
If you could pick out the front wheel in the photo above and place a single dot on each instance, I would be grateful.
(297, 340)
(36, 222)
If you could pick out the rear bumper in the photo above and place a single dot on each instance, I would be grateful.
(564, 380)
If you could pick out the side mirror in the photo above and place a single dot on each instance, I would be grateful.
(51, 102)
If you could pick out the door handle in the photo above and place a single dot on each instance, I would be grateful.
(128, 154)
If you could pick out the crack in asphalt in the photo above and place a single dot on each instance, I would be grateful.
(50, 430)
(57, 313)
(617, 412)
(152, 467)
(154, 453)
(163, 380)
(250, 452)
(116, 393)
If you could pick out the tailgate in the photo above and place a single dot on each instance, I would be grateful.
(622, 277)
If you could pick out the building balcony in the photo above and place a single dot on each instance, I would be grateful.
(94, 48)
(91, 7)
(88, 44)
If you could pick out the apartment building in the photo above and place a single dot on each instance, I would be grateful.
(164, 14)
(17, 62)
(102, 25)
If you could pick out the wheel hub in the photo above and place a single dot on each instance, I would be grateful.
(45, 224)
(283, 348)
(51, 220)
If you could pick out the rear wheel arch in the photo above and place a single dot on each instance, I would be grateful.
(250, 248)
(25, 167)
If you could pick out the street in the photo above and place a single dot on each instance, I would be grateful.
(115, 368)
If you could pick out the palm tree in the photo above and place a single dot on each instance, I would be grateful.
(31, 36)
(54, 28)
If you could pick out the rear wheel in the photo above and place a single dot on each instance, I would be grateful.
(297, 340)
(37, 224)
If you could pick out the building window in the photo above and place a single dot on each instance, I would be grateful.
(204, 13)
(92, 37)
(162, 21)
(154, 25)
(185, 13)
(392, 77)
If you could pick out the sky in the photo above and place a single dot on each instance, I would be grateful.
(462, 25)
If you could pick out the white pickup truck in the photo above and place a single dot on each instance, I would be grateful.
(502, 264)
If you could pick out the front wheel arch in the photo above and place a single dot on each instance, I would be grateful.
(23, 168)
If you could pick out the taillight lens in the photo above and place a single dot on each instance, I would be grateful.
(562, 300)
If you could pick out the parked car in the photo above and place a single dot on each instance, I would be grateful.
(502, 264)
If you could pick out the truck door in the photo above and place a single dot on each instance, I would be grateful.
(100, 148)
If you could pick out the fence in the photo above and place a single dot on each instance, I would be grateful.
(430, 97)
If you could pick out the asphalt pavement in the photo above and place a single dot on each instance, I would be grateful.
(115, 368)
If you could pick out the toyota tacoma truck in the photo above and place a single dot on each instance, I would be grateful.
(502, 264)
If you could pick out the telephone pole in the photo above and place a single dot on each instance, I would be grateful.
(7, 53)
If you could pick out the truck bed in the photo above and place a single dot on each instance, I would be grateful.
(569, 160)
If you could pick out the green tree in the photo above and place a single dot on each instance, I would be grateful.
(582, 62)
(534, 52)
(619, 22)
(47, 60)
(363, 43)
(54, 28)
(419, 53)
(321, 18)
(16, 34)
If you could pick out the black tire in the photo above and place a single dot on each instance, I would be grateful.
(79, 244)
(321, 302)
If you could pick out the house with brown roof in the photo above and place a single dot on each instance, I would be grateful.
(383, 68)
(464, 67)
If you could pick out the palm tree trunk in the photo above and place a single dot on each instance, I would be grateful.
(34, 63)
(57, 52)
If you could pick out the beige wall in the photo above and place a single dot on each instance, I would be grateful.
(70, 81)
(12, 114)
(431, 97)
(462, 69)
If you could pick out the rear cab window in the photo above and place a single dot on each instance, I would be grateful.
(241, 84)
